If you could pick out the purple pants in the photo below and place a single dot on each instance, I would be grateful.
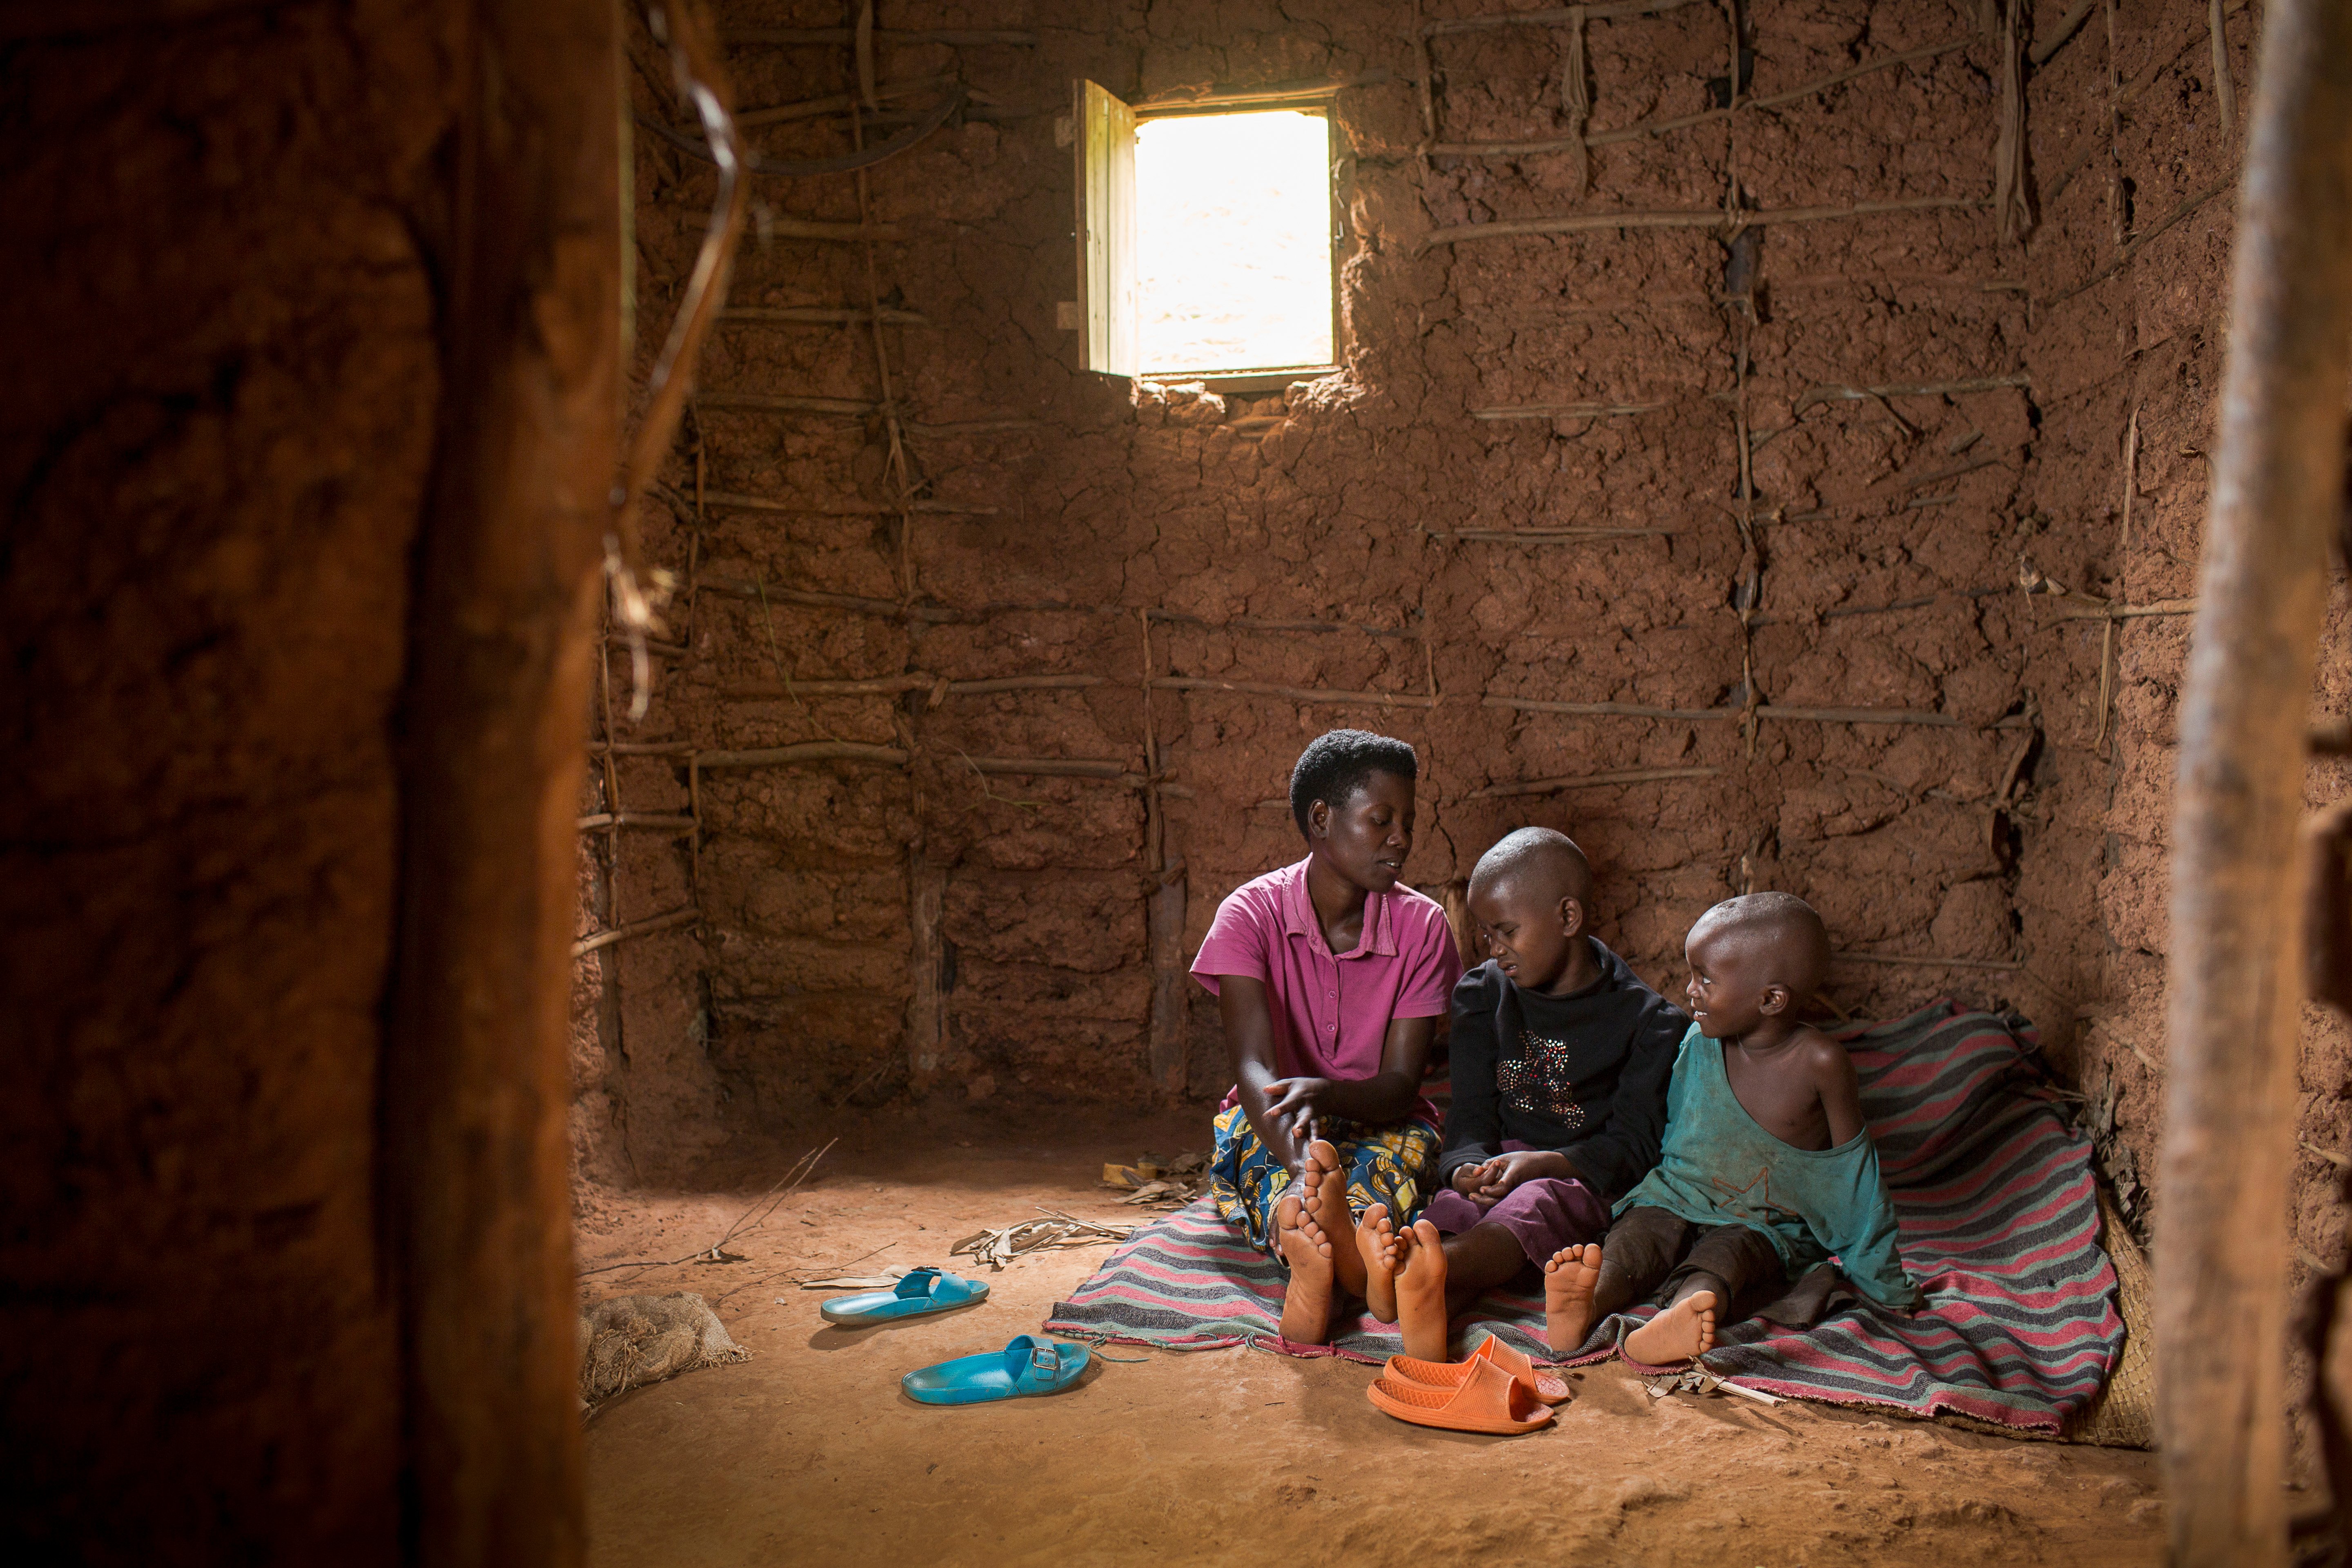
(1542, 1215)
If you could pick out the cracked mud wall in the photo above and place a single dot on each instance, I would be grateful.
(1337, 537)
(216, 447)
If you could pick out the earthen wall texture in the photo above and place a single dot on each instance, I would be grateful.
(1338, 536)
(213, 446)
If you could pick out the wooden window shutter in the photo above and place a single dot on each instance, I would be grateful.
(1103, 139)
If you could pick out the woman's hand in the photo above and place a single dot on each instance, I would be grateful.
(1298, 1104)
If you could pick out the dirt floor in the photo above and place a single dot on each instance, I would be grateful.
(808, 1453)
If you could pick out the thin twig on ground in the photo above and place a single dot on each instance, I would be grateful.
(763, 1205)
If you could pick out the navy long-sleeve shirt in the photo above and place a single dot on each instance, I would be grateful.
(1583, 1075)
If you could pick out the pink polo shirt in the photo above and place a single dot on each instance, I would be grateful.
(1332, 1012)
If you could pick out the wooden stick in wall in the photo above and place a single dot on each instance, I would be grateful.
(1060, 767)
(1166, 1059)
(1646, 127)
(641, 819)
(1554, 17)
(2051, 42)
(1296, 693)
(2124, 258)
(1552, 535)
(1567, 411)
(1926, 961)
(1775, 712)
(2122, 98)
(806, 751)
(1699, 218)
(954, 37)
(894, 685)
(813, 316)
(927, 1001)
(735, 502)
(605, 938)
(1828, 393)
(811, 108)
(1591, 781)
(779, 403)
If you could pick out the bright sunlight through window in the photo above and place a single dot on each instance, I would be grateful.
(1233, 231)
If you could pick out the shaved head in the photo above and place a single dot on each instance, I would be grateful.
(1779, 929)
(1540, 861)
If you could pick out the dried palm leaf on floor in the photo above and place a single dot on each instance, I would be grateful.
(998, 1247)
(1696, 1379)
(882, 1281)
(1161, 1183)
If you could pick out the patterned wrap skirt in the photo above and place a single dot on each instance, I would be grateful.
(1392, 1163)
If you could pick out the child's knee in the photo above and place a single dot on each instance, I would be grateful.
(1642, 1248)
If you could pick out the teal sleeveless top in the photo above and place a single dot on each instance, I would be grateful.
(1719, 1166)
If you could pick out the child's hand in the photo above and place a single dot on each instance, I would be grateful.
(1470, 1181)
(1504, 1172)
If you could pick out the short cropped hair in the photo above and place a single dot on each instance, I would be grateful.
(1339, 762)
(1544, 855)
(1789, 926)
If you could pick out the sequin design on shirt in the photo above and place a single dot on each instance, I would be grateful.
(1536, 1079)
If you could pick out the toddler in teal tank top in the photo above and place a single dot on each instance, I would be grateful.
(1766, 1172)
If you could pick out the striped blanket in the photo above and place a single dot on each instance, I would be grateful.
(1998, 1223)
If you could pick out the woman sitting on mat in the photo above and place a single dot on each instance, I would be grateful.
(1330, 976)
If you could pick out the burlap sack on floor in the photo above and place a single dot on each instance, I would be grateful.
(631, 1341)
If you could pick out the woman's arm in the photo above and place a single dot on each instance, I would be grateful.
(1389, 1093)
(1249, 1034)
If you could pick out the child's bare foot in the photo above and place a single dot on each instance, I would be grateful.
(1421, 1292)
(1569, 1280)
(1376, 1243)
(1307, 1305)
(1325, 1189)
(1682, 1330)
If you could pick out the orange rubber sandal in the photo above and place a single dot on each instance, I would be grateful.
(1543, 1384)
(1488, 1400)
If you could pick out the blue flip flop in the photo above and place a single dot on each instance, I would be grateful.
(1026, 1366)
(922, 1290)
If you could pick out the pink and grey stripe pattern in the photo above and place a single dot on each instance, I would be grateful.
(1992, 1191)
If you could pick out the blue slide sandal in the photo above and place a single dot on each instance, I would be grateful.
(922, 1290)
(1024, 1366)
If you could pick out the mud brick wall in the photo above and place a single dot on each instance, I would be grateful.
(216, 451)
(1521, 517)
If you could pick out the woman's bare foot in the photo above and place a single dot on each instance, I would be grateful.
(1307, 1305)
(1325, 1184)
(1421, 1292)
(1376, 1244)
(1682, 1330)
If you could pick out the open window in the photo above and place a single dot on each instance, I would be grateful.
(1207, 237)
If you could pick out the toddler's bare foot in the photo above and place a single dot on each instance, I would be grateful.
(1569, 1280)
(1682, 1330)
(1307, 1305)
(1376, 1244)
(1325, 1197)
(1421, 1292)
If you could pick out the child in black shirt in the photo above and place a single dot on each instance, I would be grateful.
(1561, 1061)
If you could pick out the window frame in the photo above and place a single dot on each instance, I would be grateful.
(1109, 299)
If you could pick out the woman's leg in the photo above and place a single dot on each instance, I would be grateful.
(1244, 1180)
